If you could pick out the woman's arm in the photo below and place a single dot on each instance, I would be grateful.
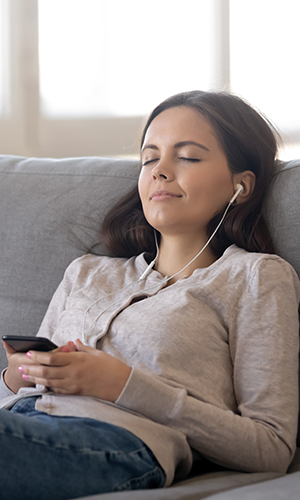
(264, 344)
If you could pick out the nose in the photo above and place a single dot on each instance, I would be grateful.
(162, 170)
(157, 175)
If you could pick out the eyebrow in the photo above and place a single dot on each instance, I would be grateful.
(188, 143)
(178, 145)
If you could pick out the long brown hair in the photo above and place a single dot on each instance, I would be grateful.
(249, 142)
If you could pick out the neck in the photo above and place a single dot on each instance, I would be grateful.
(176, 252)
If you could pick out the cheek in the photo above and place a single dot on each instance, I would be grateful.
(143, 187)
(211, 196)
(217, 185)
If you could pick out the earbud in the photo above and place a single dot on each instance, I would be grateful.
(239, 189)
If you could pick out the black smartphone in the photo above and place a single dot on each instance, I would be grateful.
(24, 344)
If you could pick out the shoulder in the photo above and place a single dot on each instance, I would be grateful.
(254, 261)
(89, 263)
(116, 269)
(262, 271)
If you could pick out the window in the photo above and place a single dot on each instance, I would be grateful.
(264, 60)
(108, 67)
(78, 77)
(99, 82)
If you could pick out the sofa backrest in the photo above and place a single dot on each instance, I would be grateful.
(283, 212)
(51, 211)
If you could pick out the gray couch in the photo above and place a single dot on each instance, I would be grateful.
(50, 212)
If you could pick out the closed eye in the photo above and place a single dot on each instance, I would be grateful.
(147, 162)
(193, 160)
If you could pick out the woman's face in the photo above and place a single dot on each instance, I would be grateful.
(185, 179)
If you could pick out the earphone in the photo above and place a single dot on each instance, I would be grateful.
(147, 271)
(239, 189)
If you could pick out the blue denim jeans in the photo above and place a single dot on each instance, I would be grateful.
(48, 457)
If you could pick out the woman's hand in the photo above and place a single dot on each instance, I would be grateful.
(17, 361)
(12, 376)
(85, 372)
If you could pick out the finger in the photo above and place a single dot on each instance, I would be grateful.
(85, 348)
(22, 359)
(52, 358)
(44, 375)
(18, 357)
(58, 385)
(69, 347)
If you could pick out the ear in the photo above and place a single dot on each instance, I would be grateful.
(247, 179)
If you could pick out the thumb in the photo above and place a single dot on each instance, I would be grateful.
(68, 347)
(85, 348)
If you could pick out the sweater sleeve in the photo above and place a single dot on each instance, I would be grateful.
(263, 341)
(5, 392)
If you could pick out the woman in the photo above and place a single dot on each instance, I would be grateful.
(184, 346)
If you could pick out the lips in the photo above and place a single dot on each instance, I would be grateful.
(163, 195)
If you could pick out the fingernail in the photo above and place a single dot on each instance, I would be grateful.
(25, 377)
(21, 369)
(28, 354)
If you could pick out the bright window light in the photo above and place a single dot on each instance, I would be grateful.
(117, 58)
(264, 56)
(3, 57)
(290, 152)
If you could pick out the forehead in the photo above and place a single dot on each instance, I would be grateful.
(180, 124)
